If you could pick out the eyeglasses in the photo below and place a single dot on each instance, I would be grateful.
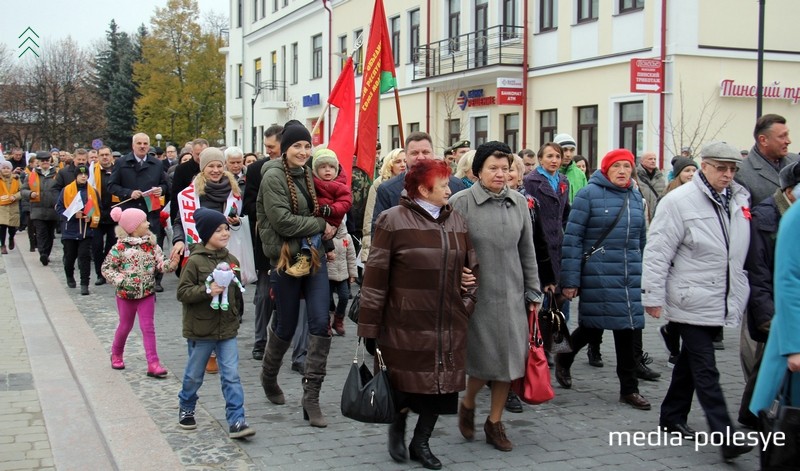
(725, 168)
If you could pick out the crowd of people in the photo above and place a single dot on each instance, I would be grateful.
(457, 251)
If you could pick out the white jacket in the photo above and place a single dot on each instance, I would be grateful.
(344, 265)
(693, 264)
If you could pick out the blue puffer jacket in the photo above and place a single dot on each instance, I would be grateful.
(610, 282)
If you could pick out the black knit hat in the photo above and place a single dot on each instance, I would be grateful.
(207, 221)
(681, 163)
(484, 151)
(293, 133)
(790, 176)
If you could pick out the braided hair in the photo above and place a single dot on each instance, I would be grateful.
(285, 258)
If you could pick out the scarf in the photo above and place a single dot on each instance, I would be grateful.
(551, 179)
(5, 191)
(34, 182)
(431, 209)
(71, 190)
(497, 196)
(724, 202)
(218, 192)
(96, 181)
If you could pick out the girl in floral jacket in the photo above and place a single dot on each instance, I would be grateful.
(131, 266)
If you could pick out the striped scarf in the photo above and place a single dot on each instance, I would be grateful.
(724, 202)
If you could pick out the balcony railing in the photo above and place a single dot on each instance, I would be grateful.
(498, 45)
(272, 91)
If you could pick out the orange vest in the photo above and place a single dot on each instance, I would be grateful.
(5, 191)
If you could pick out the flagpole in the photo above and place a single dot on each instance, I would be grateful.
(399, 115)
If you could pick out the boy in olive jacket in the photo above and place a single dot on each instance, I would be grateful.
(210, 330)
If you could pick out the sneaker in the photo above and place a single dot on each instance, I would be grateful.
(300, 268)
(240, 430)
(186, 419)
(595, 357)
(258, 355)
(643, 371)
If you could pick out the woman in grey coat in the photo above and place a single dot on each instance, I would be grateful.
(497, 339)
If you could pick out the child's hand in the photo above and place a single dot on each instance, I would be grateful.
(331, 256)
(352, 279)
(216, 289)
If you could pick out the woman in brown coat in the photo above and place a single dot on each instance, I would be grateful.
(413, 306)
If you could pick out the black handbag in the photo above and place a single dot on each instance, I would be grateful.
(782, 416)
(355, 306)
(553, 326)
(366, 397)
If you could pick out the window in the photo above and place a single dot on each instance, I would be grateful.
(480, 126)
(240, 85)
(481, 47)
(547, 15)
(358, 59)
(257, 77)
(394, 136)
(273, 69)
(587, 10)
(394, 26)
(548, 123)
(263, 9)
(413, 36)
(453, 131)
(274, 6)
(509, 19)
(413, 127)
(255, 10)
(587, 134)
(630, 5)
(294, 64)
(342, 51)
(286, 3)
(316, 56)
(239, 12)
(631, 120)
(511, 130)
(235, 137)
(453, 23)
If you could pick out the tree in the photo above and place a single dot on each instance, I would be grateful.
(181, 76)
(696, 130)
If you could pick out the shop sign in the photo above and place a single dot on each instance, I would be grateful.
(311, 100)
(647, 75)
(729, 88)
(474, 98)
(509, 91)
(317, 138)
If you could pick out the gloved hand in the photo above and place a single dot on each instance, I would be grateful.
(324, 210)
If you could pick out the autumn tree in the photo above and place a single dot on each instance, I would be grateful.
(181, 76)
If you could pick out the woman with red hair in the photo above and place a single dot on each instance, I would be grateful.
(413, 306)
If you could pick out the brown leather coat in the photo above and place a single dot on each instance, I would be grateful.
(412, 301)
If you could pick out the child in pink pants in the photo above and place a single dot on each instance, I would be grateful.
(131, 266)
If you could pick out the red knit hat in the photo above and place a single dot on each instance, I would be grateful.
(615, 156)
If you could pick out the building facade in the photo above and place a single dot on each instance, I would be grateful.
(523, 71)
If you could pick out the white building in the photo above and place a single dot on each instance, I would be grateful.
(572, 59)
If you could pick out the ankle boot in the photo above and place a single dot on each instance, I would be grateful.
(338, 325)
(496, 435)
(316, 361)
(419, 449)
(397, 438)
(271, 365)
(155, 370)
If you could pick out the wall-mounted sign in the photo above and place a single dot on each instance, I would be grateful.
(318, 137)
(474, 98)
(729, 88)
(509, 91)
(647, 75)
(311, 100)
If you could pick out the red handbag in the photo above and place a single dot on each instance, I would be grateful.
(534, 387)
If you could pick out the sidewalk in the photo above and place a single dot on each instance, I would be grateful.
(125, 420)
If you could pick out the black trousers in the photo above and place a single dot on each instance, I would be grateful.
(31, 228)
(154, 219)
(80, 250)
(263, 311)
(695, 371)
(45, 233)
(11, 232)
(745, 416)
(103, 239)
(624, 346)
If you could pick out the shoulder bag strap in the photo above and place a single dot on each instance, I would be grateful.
(594, 247)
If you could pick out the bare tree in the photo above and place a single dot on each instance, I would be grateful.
(693, 132)
(451, 111)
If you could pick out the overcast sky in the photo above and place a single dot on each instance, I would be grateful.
(84, 20)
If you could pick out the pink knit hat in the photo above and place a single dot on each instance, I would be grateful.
(129, 219)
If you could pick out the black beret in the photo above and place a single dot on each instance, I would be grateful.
(484, 151)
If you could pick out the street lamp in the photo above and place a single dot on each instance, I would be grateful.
(257, 89)
(158, 140)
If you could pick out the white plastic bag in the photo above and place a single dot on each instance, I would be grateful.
(241, 246)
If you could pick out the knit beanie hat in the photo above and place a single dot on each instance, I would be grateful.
(207, 221)
(211, 154)
(128, 219)
(616, 155)
(484, 151)
(324, 156)
(293, 133)
(6, 164)
(681, 163)
(565, 140)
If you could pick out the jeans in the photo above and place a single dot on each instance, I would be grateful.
(228, 362)
(128, 309)
(300, 338)
(342, 290)
(288, 289)
(103, 239)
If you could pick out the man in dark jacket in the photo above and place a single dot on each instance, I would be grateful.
(262, 301)
(760, 264)
(419, 146)
(67, 174)
(104, 235)
(38, 190)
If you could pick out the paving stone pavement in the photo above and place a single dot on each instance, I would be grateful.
(570, 432)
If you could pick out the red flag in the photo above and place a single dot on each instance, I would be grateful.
(343, 96)
(379, 77)
(152, 201)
